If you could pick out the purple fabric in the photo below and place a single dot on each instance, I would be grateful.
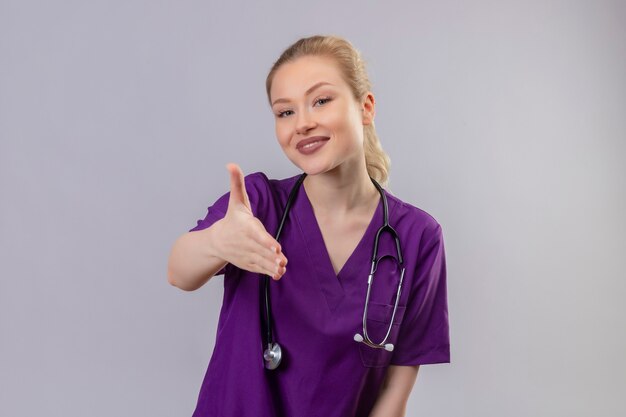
(316, 313)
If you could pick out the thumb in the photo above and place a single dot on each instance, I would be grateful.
(238, 192)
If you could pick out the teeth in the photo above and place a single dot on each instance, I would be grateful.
(311, 144)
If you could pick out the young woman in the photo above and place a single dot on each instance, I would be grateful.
(301, 344)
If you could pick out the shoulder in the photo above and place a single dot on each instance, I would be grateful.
(412, 216)
(257, 179)
(267, 193)
(419, 231)
(261, 182)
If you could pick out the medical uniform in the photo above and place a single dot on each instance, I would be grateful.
(316, 313)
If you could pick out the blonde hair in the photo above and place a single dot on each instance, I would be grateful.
(352, 68)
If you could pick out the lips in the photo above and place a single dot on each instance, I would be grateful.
(310, 140)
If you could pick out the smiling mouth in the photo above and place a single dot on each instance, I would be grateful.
(310, 142)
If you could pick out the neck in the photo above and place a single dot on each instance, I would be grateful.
(341, 190)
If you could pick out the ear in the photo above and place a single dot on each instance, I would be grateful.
(368, 108)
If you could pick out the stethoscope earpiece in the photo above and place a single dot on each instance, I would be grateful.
(388, 346)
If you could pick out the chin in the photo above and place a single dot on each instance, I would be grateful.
(313, 167)
(309, 166)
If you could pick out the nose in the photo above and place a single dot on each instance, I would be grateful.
(304, 123)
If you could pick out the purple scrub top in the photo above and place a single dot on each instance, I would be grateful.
(316, 313)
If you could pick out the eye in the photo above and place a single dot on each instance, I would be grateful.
(323, 98)
(282, 113)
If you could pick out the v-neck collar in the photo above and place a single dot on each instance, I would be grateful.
(332, 284)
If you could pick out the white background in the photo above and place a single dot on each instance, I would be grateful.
(504, 120)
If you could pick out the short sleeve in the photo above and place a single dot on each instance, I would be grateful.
(424, 336)
(256, 186)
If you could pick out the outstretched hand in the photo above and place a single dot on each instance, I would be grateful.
(243, 240)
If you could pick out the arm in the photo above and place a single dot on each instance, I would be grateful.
(192, 261)
(395, 391)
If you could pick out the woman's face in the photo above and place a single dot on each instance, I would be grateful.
(328, 110)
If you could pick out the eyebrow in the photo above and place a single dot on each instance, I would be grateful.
(313, 87)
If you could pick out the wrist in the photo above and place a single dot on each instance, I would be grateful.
(210, 238)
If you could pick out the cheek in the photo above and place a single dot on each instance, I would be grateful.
(340, 119)
(282, 134)
(342, 124)
(353, 125)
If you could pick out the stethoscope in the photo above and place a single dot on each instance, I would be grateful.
(273, 353)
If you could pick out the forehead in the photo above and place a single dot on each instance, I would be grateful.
(294, 78)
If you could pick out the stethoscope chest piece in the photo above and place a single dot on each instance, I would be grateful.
(272, 356)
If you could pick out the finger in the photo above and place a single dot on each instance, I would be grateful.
(270, 260)
(278, 265)
(268, 243)
(238, 192)
(263, 238)
(266, 266)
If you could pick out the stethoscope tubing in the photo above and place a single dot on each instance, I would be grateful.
(273, 354)
(268, 308)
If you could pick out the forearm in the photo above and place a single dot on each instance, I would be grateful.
(395, 391)
(192, 262)
(390, 403)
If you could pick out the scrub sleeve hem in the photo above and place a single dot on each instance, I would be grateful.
(439, 354)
